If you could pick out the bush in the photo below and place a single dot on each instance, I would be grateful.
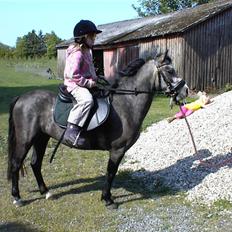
(228, 87)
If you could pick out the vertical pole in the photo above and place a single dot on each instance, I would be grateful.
(194, 145)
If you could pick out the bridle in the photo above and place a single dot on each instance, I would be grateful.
(172, 90)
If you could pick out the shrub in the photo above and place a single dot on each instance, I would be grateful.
(228, 87)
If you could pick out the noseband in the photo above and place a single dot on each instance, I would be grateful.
(173, 89)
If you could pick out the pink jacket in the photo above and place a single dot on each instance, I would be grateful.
(79, 68)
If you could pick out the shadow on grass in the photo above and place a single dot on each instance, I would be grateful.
(16, 227)
(95, 184)
(8, 93)
(179, 177)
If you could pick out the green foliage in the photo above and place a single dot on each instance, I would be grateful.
(51, 41)
(32, 46)
(35, 45)
(156, 7)
(20, 50)
(228, 87)
(6, 51)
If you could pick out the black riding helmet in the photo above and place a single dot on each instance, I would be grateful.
(85, 27)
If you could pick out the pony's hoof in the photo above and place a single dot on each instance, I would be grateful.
(48, 195)
(18, 203)
(112, 206)
(109, 202)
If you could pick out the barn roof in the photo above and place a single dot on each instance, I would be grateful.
(154, 26)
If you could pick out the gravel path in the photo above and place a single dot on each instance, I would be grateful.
(172, 218)
(164, 154)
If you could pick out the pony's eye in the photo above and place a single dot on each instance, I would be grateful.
(171, 71)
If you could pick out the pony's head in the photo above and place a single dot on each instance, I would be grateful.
(174, 86)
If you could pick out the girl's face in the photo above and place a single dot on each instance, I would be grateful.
(89, 39)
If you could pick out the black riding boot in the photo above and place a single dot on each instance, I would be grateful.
(72, 134)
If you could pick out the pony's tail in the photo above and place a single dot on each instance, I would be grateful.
(11, 138)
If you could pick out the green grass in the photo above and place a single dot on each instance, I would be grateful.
(75, 177)
(159, 110)
(14, 83)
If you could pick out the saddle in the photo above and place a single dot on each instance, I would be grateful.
(64, 103)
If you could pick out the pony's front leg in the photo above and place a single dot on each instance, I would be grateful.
(112, 168)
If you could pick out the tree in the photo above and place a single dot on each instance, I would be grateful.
(51, 40)
(41, 49)
(6, 51)
(20, 50)
(34, 45)
(155, 7)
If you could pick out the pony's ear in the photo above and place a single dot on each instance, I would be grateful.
(166, 54)
(163, 58)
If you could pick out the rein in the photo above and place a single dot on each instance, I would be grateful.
(124, 91)
(171, 89)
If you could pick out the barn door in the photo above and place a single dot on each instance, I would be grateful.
(98, 61)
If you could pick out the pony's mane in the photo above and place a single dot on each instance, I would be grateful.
(132, 68)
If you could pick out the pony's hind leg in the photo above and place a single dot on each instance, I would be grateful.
(39, 148)
(17, 162)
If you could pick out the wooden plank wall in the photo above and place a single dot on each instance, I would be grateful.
(117, 59)
(207, 53)
(61, 53)
(201, 56)
(174, 44)
(110, 63)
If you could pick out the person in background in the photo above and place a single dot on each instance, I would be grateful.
(79, 77)
(189, 108)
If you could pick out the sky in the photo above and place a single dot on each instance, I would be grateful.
(18, 17)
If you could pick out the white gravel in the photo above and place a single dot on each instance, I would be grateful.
(164, 154)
